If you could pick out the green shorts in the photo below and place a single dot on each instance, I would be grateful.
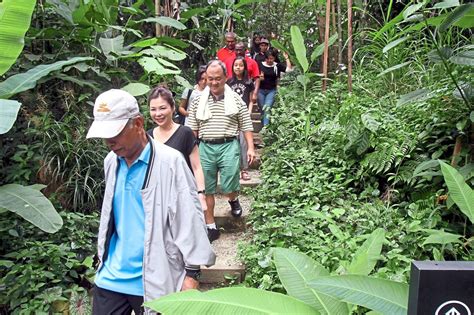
(225, 159)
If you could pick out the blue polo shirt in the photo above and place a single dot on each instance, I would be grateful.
(122, 271)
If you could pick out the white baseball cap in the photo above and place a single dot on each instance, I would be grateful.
(112, 110)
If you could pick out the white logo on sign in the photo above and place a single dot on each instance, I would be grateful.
(453, 310)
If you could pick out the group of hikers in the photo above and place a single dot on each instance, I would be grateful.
(157, 218)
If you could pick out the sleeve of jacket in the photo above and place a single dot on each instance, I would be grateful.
(187, 219)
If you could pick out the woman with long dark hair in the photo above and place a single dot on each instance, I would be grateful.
(242, 85)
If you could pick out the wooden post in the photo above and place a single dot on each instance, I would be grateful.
(326, 45)
(157, 14)
(349, 45)
(339, 32)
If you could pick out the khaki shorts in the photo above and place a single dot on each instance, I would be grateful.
(225, 159)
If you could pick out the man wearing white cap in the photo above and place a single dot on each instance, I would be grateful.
(152, 237)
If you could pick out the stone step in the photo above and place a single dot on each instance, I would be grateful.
(224, 219)
(257, 125)
(228, 269)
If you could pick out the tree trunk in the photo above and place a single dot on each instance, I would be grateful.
(157, 14)
(326, 45)
(349, 45)
(339, 32)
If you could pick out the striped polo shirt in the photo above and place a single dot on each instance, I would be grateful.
(220, 125)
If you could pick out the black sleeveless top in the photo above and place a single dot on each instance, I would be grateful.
(183, 140)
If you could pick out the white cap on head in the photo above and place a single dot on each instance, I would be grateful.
(112, 110)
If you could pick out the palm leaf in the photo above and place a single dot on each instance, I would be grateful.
(319, 50)
(299, 47)
(455, 16)
(295, 270)
(384, 296)
(464, 58)
(396, 67)
(32, 205)
(414, 96)
(367, 255)
(24, 81)
(229, 301)
(459, 191)
(15, 19)
(446, 4)
(136, 88)
(394, 44)
(8, 112)
(165, 21)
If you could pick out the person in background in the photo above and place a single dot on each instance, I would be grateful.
(243, 86)
(179, 137)
(190, 94)
(270, 72)
(252, 69)
(255, 45)
(263, 47)
(216, 117)
(152, 237)
(229, 49)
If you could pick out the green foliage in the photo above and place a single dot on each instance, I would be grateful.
(341, 168)
(459, 191)
(299, 47)
(305, 280)
(295, 270)
(384, 296)
(15, 19)
(229, 300)
(40, 270)
(8, 113)
(31, 205)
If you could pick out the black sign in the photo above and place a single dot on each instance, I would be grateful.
(441, 288)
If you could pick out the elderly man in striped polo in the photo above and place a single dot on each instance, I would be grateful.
(216, 117)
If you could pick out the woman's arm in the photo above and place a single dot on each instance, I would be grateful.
(198, 174)
(288, 63)
(182, 109)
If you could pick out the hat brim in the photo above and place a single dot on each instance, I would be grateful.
(106, 129)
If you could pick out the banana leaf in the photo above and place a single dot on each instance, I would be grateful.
(459, 191)
(27, 80)
(367, 255)
(15, 19)
(229, 301)
(295, 270)
(32, 205)
(384, 296)
(299, 47)
(8, 112)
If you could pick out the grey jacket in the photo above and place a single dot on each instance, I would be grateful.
(175, 232)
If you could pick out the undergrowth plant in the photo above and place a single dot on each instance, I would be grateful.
(341, 167)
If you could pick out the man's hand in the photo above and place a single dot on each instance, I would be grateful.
(189, 284)
(202, 200)
(253, 99)
(250, 155)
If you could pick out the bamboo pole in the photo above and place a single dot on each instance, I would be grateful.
(157, 14)
(349, 45)
(326, 45)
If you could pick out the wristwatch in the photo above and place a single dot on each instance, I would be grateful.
(195, 274)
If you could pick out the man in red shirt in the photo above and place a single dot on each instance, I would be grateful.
(229, 49)
(252, 68)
